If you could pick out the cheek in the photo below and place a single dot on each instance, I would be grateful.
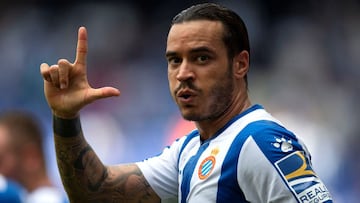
(172, 81)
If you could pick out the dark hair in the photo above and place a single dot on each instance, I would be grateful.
(24, 127)
(235, 33)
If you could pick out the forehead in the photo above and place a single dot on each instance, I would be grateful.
(195, 33)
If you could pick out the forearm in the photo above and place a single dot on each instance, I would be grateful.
(81, 170)
(87, 179)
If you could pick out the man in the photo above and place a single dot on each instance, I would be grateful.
(22, 158)
(237, 153)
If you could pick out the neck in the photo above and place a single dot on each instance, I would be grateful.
(208, 128)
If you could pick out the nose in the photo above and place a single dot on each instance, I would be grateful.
(185, 72)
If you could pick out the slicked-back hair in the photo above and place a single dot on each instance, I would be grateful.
(235, 32)
(235, 35)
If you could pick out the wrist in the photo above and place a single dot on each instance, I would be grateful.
(65, 115)
(66, 127)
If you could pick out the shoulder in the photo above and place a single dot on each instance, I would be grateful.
(274, 140)
(271, 153)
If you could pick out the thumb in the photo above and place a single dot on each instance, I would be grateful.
(100, 93)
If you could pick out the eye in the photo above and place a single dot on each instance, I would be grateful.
(174, 60)
(202, 59)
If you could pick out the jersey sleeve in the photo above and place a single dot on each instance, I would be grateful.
(274, 166)
(162, 171)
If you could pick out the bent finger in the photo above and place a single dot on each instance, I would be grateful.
(54, 74)
(44, 71)
(82, 47)
(64, 68)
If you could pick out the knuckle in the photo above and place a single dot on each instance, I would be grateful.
(62, 61)
(53, 69)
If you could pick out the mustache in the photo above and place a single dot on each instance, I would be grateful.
(186, 84)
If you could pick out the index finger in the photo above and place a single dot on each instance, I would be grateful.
(82, 46)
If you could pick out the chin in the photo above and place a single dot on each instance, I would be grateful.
(190, 116)
(194, 117)
(193, 114)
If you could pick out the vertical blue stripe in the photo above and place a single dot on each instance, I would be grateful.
(228, 187)
(189, 137)
(188, 172)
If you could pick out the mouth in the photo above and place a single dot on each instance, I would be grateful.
(185, 95)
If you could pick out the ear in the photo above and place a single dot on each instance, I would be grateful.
(241, 64)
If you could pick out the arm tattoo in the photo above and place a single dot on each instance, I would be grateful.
(87, 179)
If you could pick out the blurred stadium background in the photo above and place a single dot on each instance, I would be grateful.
(305, 69)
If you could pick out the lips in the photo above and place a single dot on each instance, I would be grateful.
(185, 95)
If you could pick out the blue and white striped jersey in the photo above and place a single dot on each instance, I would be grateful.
(10, 192)
(253, 158)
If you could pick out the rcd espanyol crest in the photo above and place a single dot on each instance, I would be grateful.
(208, 164)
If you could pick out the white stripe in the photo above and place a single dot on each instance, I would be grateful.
(303, 180)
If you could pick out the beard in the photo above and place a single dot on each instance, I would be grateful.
(219, 99)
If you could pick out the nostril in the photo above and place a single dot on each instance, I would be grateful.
(185, 74)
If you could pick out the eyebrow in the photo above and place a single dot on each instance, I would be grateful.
(170, 54)
(201, 49)
(192, 51)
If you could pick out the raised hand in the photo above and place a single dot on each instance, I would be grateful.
(66, 86)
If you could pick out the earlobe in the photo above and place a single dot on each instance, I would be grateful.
(241, 64)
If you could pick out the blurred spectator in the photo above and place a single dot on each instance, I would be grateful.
(10, 192)
(22, 158)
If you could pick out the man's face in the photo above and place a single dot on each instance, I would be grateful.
(199, 72)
